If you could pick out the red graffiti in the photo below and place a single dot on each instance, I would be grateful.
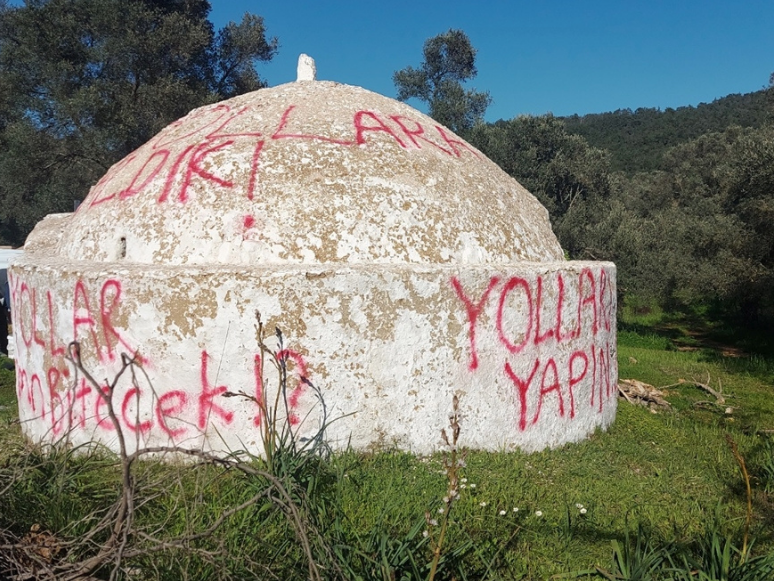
(552, 332)
(553, 382)
(109, 299)
(82, 313)
(209, 116)
(173, 173)
(65, 404)
(522, 308)
(35, 379)
(209, 133)
(604, 371)
(378, 125)
(575, 379)
(133, 189)
(97, 192)
(606, 299)
(594, 380)
(220, 133)
(21, 382)
(455, 142)
(207, 394)
(473, 311)
(278, 134)
(195, 168)
(41, 336)
(62, 422)
(86, 319)
(283, 357)
(31, 311)
(102, 399)
(509, 287)
(522, 387)
(81, 395)
(134, 424)
(528, 317)
(20, 316)
(170, 405)
(559, 306)
(53, 376)
(548, 388)
(587, 299)
(417, 132)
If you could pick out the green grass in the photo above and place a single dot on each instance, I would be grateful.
(671, 474)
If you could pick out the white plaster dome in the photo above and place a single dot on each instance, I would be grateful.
(403, 266)
(307, 172)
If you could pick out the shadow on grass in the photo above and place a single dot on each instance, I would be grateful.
(719, 339)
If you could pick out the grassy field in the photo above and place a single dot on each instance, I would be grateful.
(667, 480)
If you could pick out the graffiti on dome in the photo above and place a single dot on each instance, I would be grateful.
(180, 165)
(554, 344)
(53, 393)
(548, 339)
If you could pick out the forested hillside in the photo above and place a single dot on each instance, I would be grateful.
(689, 225)
(637, 140)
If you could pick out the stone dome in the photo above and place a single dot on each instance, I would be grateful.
(308, 172)
(403, 267)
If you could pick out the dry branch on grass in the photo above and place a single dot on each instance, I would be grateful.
(639, 393)
(720, 398)
(41, 555)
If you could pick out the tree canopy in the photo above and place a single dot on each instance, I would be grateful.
(85, 82)
(694, 233)
(449, 61)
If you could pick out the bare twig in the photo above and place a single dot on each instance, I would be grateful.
(89, 554)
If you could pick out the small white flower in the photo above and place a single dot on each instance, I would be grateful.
(515, 509)
(463, 485)
(482, 504)
(579, 505)
(441, 510)
(446, 499)
(425, 534)
(583, 511)
(538, 513)
(502, 513)
(434, 522)
(463, 479)
(453, 492)
(472, 485)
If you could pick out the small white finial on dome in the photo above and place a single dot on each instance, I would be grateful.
(307, 71)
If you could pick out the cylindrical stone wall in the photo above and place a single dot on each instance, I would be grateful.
(529, 348)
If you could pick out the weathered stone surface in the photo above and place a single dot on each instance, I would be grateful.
(309, 173)
(402, 265)
(307, 70)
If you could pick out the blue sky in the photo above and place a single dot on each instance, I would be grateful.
(559, 56)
